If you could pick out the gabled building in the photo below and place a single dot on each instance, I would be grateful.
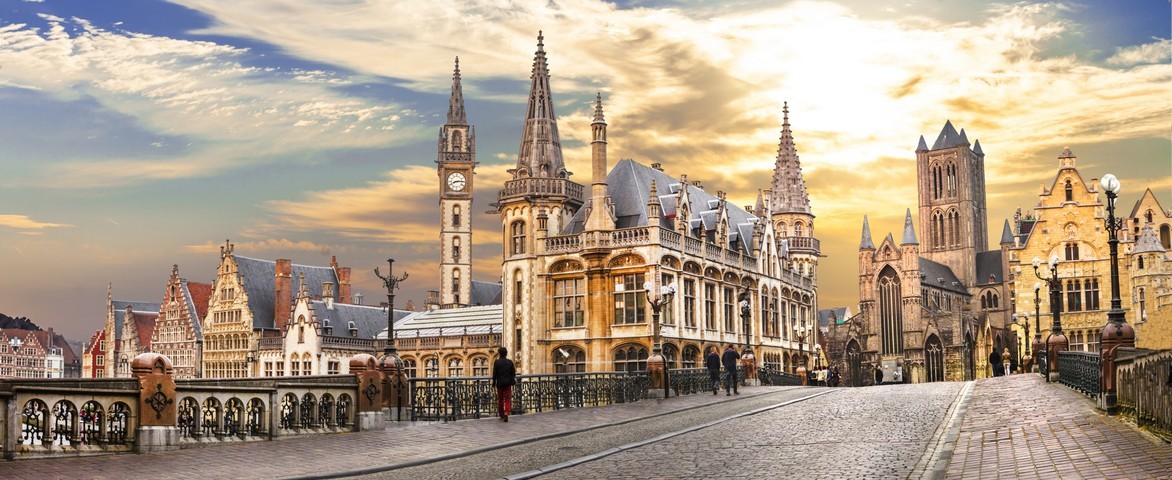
(93, 363)
(178, 329)
(36, 354)
(641, 227)
(253, 298)
(127, 332)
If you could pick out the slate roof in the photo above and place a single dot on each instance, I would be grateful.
(137, 307)
(989, 264)
(940, 276)
(1006, 233)
(824, 316)
(197, 295)
(909, 231)
(949, 137)
(866, 241)
(144, 325)
(485, 293)
(1148, 241)
(453, 321)
(258, 280)
(629, 186)
(368, 320)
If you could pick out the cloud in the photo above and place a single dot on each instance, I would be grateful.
(23, 222)
(232, 114)
(1158, 51)
(266, 245)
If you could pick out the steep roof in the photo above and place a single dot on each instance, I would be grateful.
(540, 154)
(464, 320)
(940, 276)
(258, 280)
(197, 296)
(909, 230)
(1138, 203)
(136, 307)
(144, 325)
(948, 137)
(1148, 241)
(839, 314)
(485, 293)
(989, 265)
(787, 189)
(866, 242)
(629, 186)
(368, 320)
(1006, 233)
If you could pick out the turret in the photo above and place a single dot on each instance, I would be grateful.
(600, 217)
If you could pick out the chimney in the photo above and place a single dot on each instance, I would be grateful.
(343, 280)
(282, 293)
(327, 294)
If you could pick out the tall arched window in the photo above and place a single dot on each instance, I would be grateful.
(1166, 236)
(1073, 295)
(518, 235)
(456, 215)
(691, 356)
(1072, 251)
(455, 286)
(569, 359)
(1069, 191)
(457, 141)
(455, 367)
(631, 358)
(952, 182)
(934, 359)
(891, 311)
(955, 228)
(480, 367)
(798, 229)
(431, 367)
(456, 249)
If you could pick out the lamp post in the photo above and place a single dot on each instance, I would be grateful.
(748, 359)
(392, 284)
(1039, 357)
(1116, 333)
(1056, 341)
(394, 395)
(800, 333)
(657, 367)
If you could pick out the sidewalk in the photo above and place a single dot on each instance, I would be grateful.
(323, 455)
(1020, 427)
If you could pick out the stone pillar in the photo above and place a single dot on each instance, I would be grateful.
(368, 415)
(396, 400)
(158, 429)
(655, 370)
(1114, 335)
(749, 361)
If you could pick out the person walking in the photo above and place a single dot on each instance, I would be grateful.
(712, 361)
(504, 376)
(730, 360)
(878, 375)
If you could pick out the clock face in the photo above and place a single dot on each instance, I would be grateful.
(456, 181)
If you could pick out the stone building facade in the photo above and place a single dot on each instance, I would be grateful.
(575, 268)
(126, 333)
(37, 354)
(178, 329)
(931, 310)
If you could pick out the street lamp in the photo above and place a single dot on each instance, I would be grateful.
(1057, 341)
(1023, 321)
(1116, 333)
(392, 284)
(657, 367)
(1038, 345)
(800, 333)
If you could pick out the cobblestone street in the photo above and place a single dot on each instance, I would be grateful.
(999, 428)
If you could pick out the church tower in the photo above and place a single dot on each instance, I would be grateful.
(456, 161)
(537, 202)
(790, 206)
(953, 215)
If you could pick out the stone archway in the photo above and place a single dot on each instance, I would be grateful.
(933, 359)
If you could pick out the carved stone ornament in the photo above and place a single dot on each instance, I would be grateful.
(566, 266)
(159, 401)
(370, 391)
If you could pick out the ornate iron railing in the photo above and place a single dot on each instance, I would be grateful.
(689, 381)
(455, 398)
(1144, 389)
(1080, 371)
(772, 377)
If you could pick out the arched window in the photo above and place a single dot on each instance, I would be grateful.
(431, 367)
(1069, 191)
(456, 215)
(457, 140)
(1140, 262)
(632, 358)
(409, 367)
(934, 359)
(1072, 251)
(480, 367)
(1148, 216)
(455, 367)
(455, 286)
(1166, 236)
(1073, 295)
(890, 311)
(517, 230)
(691, 356)
(798, 229)
(456, 249)
(569, 359)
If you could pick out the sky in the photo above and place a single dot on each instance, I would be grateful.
(139, 134)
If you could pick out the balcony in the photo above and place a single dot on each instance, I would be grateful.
(546, 187)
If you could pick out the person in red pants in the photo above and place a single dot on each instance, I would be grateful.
(504, 376)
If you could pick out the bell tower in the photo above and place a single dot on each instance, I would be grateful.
(456, 164)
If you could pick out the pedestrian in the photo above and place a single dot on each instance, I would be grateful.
(878, 375)
(712, 361)
(821, 377)
(835, 377)
(995, 362)
(504, 376)
(730, 359)
(1006, 363)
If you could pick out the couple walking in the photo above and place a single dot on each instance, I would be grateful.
(729, 359)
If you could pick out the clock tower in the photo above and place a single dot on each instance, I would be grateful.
(456, 161)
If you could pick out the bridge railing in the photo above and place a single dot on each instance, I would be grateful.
(777, 378)
(455, 398)
(51, 417)
(1144, 389)
(1080, 371)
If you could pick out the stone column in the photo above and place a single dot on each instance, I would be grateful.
(368, 413)
(158, 429)
(396, 401)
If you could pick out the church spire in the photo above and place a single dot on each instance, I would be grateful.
(866, 243)
(456, 101)
(909, 230)
(787, 190)
(541, 150)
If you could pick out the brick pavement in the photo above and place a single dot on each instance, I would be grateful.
(1020, 427)
(325, 454)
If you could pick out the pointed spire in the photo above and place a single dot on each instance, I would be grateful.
(787, 190)
(1007, 233)
(598, 118)
(963, 137)
(922, 146)
(977, 148)
(948, 137)
(759, 207)
(540, 154)
(866, 243)
(456, 101)
(909, 230)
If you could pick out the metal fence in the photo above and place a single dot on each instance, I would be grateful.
(1144, 389)
(1080, 371)
(778, 378)
(455, 398)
